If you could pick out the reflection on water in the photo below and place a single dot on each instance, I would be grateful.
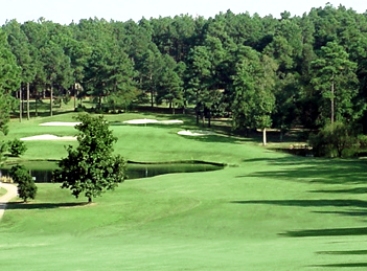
(134, 171)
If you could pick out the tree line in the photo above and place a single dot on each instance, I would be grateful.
(294, 71)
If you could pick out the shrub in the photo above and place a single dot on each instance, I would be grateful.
(334, 140)
(27, 189)
(80, 108)
(362, 141)
(17, 148)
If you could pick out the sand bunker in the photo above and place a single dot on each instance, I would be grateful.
(48, 137)
(152, 121)
(59, 123)
(194, 133)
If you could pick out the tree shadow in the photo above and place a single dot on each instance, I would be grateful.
(362, 212)
(312, 170)
(343, 265)
(309, 203)
(342, 252)
(359, 190)
(352, 212)
(326, 232)
(32, 206)
(217, 138)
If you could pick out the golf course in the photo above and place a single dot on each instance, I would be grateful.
(265, 210)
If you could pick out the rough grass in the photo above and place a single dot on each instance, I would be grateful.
(267, 211)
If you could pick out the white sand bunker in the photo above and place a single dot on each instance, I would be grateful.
(59, 123)
(48, 137)
(153, 121)
(195, 133)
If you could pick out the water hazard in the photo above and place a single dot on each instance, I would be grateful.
(42, 171)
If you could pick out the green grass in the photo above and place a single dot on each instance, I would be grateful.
(266, 211)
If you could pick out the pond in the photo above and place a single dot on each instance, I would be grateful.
(42, 170)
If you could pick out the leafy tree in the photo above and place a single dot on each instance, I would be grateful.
(254, 99)
(20, 47)
(91, 167)
(9, 81)
(17, 148)
(3, 150)
(170, 84)
(199, 79)
(335, 77)
(27, 189)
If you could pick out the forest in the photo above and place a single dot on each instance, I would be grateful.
(306, 71)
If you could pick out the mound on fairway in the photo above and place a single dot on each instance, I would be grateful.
(48, 137)
(60, 123)
(153, 121)
(194, 133)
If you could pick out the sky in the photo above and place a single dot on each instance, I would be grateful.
(65, 11)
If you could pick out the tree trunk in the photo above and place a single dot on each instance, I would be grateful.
(90, 200)
(74, 92)
(209, 119)
(20, 104)
(28, 114)
(51, 99)
(152, 98)
(36, 106)
(332, 117)
(264, 137)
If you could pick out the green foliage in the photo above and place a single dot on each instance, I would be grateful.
(362, 141)
(27, 189)
(254, 98)
(91, 167)
(3, 150)
(335, 77)
(335, 140)
(9, 81)
(17, 147)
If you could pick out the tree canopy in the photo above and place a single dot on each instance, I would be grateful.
(309, 69)
(91, 167)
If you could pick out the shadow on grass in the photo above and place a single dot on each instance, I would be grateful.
(360, 190)
(309, 203)
(345, 213)
(313, 170)
(31, 206)
(342, 252)
(218, 139)
(343, 265)
(326, 232)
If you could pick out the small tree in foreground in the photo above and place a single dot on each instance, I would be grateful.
(91, 167)
(17, 147)
(27, 189)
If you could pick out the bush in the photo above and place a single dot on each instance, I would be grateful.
(334, 140)
(362, 141)
(80, 108)
(17, 148)
(27, 189)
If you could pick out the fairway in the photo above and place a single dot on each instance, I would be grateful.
(265, 211)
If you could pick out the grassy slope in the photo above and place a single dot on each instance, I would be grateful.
(268, 211)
